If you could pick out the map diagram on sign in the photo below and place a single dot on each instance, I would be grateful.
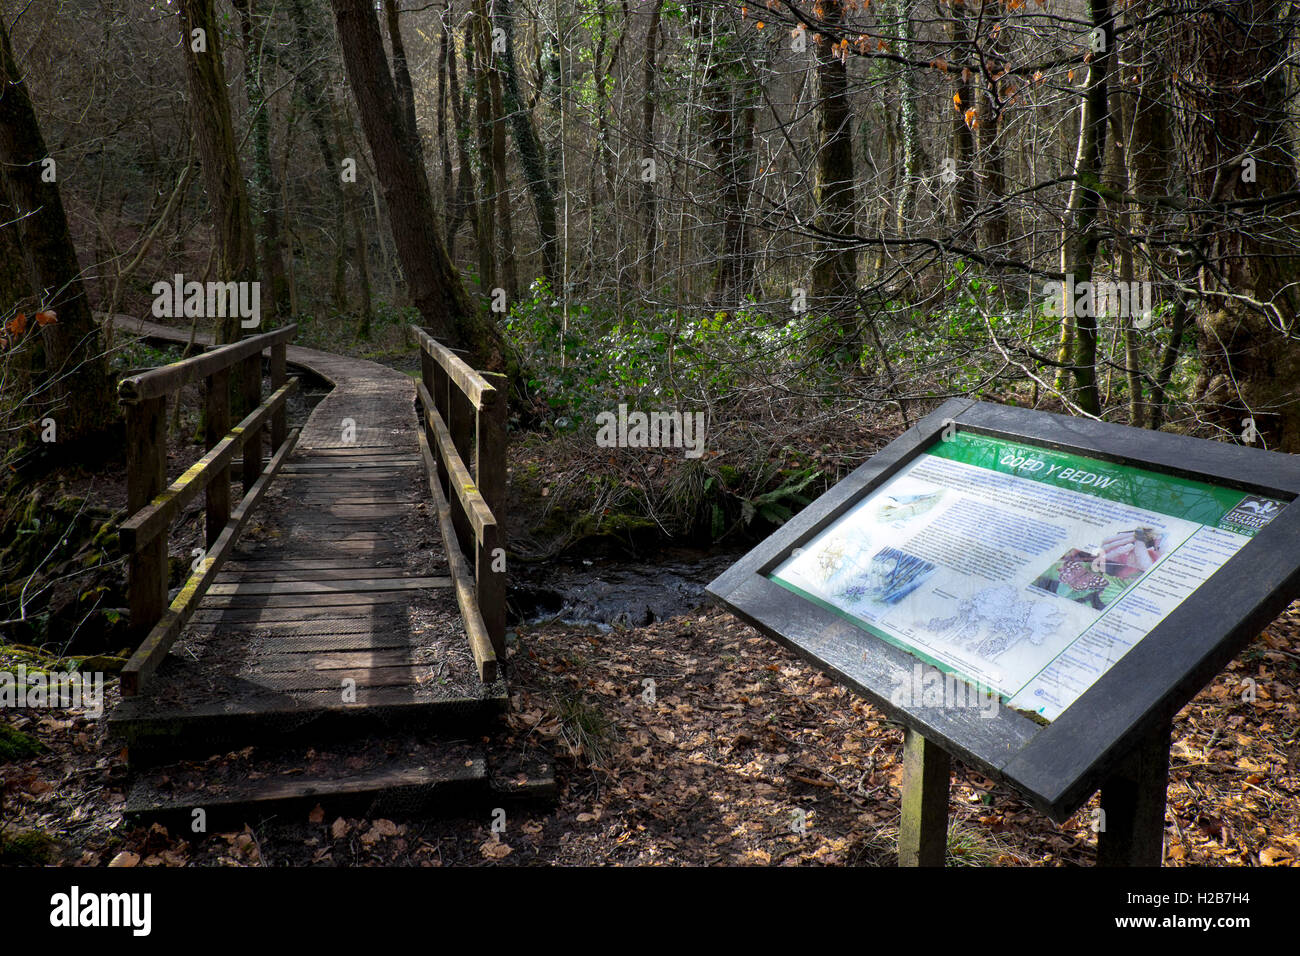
(996, 620)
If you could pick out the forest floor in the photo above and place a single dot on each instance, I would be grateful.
(745, 755)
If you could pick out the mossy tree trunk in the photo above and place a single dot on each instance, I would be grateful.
(205, 77)
(1233, 134)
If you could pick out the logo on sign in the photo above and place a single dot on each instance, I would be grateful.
(1251, 514)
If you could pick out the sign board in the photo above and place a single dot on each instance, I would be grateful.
(1031, 591)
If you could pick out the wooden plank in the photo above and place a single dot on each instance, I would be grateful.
(317, 660)
(467, 380)
(151, 653)
(325, 462)
(261, 616)
(348, 551)
(393, 791)
(316, 498)
(410, 701)
(348, 586)
(464, 486)
(169, 378)
(236, 572)
(317, 637)
(420, 788)
(480, 644)
(146, 442)
(158, 515)
(923, 829)
(356, 599)
(405, 675)
(367, 467)
(350, 451)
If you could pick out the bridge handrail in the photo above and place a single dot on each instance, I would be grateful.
(143, 535)
(463, 441)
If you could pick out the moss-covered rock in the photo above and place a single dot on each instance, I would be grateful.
(102, 663)
(16, 745)
(28, 848)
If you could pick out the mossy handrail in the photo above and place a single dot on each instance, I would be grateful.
(152, 507)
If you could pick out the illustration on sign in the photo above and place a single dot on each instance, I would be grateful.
(1021, 569)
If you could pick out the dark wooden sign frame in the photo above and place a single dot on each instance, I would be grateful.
(1115, 736)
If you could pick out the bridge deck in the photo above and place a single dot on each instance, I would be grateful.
(336, 602)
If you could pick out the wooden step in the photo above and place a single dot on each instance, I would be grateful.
(256, 707)
(403, 777)
(237, 789)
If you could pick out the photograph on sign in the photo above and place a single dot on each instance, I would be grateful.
(1028, 572)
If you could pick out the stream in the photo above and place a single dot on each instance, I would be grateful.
(607, 592)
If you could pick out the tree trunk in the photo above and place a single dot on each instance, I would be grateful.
(402, 79)
(265, 191)
(646, 191)
(76, 390)
(205, 77)
(435, 286)
(312, 88)
(505, 216)
(965, 194)
(834, 273)
(993, 177)
(1231, 64)
(908, 120)
(1080, 239)
(477, 45)
(463, 206)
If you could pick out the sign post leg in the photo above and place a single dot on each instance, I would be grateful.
(923, 832)
(1131, 830)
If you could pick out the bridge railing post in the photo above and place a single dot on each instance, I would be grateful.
(252, 384)
(438, 390)
(461, 425)
(490, 476)
(280, 418)
(216, 425)
(146, 475)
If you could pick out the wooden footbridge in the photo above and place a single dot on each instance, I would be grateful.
(339, 637)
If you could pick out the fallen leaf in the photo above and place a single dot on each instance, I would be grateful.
(378, 830)
(1274, 856)
(125, 858)
(494, 849)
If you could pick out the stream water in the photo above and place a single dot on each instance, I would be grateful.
(608, 592)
